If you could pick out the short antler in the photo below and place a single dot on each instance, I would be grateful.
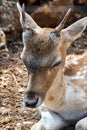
(61, 25)
(23, 11)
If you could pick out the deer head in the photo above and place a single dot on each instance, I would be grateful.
(44, 53)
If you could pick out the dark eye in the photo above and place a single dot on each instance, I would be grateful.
(57, 64)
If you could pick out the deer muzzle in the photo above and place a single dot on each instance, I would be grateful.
(32, 99)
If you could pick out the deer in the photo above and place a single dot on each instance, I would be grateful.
(3, 40)
(57, 83)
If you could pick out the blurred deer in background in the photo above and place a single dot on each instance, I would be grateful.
(57, 83)
(3, 40)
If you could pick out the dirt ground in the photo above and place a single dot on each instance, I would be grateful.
(13, 80)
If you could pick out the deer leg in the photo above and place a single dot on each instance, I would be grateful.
(82, 124)
(38, 126)
(49, 121)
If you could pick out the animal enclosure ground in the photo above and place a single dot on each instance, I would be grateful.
(13, 80)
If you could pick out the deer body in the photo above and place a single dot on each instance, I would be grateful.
(73, 85)
(55, 82)
(66, 105)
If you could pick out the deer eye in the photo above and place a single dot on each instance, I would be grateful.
(56, 64)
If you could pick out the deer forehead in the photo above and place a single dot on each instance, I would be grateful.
(40, 42)
(40, 48)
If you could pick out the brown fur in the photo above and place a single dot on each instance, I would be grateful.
(59, 93)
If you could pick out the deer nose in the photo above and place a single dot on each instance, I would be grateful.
(30, 99)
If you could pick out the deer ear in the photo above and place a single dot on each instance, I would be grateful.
(25, 19)
(71, 33)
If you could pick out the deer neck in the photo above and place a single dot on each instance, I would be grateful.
(55, 96)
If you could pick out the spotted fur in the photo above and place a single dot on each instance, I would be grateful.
(57, 84)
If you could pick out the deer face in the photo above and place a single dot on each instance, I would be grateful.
(43, 54)
(40, 49)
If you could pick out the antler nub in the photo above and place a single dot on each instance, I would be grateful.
(61, 25)
(23, 11)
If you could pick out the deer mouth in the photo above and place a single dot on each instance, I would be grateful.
(31, 104)
(32, 100)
